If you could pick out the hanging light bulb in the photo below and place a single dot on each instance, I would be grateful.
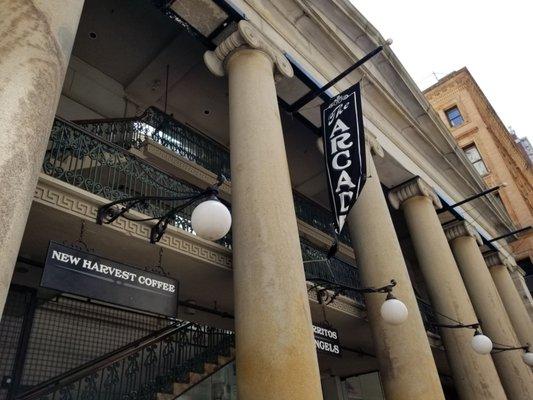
(393, 311)
(211, 219)
(527, 357)
(481, 343)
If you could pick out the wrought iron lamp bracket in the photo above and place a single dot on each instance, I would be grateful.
(458, 326)
(496, 350)
(323, 288)
(110, 212)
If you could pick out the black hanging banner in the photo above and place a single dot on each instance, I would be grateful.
(79, 272)
(344, 151)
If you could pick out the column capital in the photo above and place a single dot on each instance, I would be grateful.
(373, 144)
(246, 36)
(511, 264)
(411, 188)
(459, 229)
(494, 258)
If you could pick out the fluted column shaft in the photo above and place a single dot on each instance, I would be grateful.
(515, 375)
(37, 38)
(474, 375)
(275, 350)
(406, 365)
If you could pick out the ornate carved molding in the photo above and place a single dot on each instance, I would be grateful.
(57, 194)
(411, 188)
(246, 36)
(461, 228)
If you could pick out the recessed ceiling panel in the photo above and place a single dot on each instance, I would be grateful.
(204, 15)
(120, 37)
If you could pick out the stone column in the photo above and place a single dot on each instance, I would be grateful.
(275, 349)
(499, 269)
(406, 365)
(515, 375)
(474, 375)
(517, 275)
(37, 38)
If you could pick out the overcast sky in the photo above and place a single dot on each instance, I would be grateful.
(493, 39)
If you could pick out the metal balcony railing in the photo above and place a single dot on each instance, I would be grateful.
(194, 146)
(316, 216)
(91, 163)
(86, 161)
(165, 130)
(428, 316)
(333, 270)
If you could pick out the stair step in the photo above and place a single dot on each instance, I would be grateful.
(224, 360)
(179, 388)
(165, 396)
(209, 368)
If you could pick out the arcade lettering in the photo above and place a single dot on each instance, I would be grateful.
(344, 151)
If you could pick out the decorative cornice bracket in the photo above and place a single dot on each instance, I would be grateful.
(459, 229)
(247, 36)
(411, 188)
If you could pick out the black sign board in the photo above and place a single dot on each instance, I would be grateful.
(344, 150)
(85, 274)
(327, 340)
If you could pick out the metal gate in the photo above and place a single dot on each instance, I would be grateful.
(15, 327)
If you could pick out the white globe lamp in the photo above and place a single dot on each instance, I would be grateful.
(211, 220)
(393, 311)
(481, 343)
(528, 358)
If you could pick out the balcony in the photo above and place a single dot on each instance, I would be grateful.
(196, 147)
(90, 162)
(155, 125)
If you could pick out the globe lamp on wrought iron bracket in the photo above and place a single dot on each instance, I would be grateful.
(393, 311)
(210, 219)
